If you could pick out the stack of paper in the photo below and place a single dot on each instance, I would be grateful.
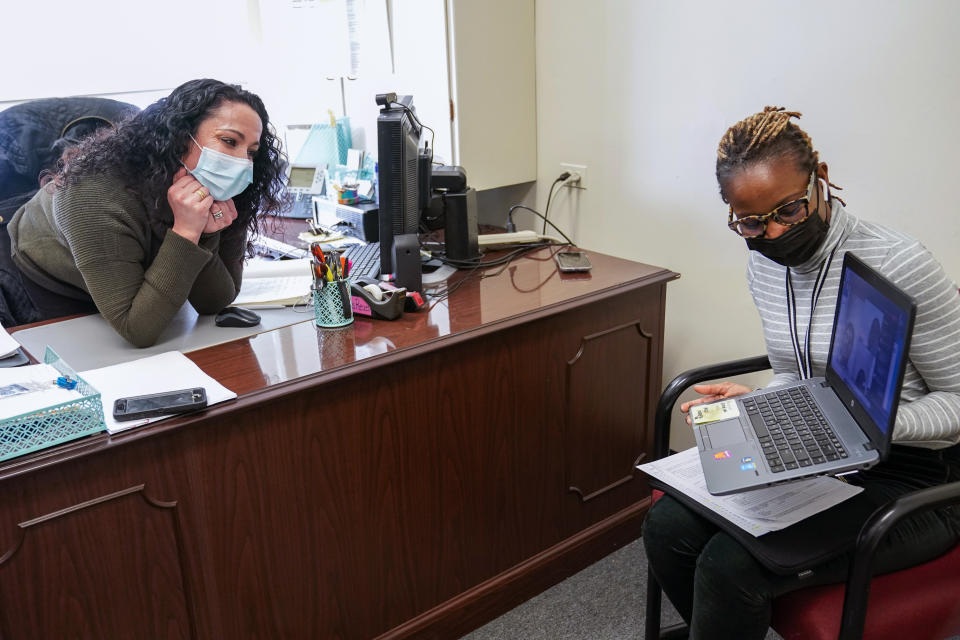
(274, 283)
(164, 372)
(8, 346)
(31, 388)
(759, 511)
(11, 355)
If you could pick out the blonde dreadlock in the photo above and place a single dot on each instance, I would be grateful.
(764, 136)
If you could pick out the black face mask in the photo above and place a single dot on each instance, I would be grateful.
(797, 245)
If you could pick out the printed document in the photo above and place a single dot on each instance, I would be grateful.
(759, 511)
(274, 283)
(169, 371)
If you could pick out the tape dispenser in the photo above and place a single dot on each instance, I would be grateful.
(368, 299)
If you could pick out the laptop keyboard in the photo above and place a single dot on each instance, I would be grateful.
(777, 418)
(366, 260)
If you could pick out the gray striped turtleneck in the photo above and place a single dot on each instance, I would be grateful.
(929, 411)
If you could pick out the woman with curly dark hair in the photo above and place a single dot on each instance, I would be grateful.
(140, 219)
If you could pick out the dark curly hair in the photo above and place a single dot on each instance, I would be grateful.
(145, 151)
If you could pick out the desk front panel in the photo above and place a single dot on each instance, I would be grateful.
(345, 503)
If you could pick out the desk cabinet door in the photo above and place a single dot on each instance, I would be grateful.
(612, 382)
(106, 568)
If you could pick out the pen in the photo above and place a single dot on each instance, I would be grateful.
(344, 299)
(317, 251)
(318, 277)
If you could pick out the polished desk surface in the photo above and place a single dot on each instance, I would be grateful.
(286, 359)
(303, 349)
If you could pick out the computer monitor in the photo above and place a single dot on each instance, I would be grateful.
(398, 146)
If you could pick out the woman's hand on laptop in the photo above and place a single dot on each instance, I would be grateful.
(712, 393)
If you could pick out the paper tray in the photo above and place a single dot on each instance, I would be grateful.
(54, 424)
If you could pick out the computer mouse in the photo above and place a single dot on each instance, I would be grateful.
(237, 317)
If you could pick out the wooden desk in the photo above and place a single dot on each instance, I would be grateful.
(413, 478)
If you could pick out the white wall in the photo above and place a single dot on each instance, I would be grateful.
(291, 57)
(642, 90)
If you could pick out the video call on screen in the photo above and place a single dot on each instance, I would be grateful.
(868, 346)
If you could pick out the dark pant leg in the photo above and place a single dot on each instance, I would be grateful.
(733, 593)
(723, 592)
(714, 583)
(673, 537)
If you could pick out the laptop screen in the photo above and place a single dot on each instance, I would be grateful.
(871, 334)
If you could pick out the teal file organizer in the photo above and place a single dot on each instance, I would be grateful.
(326, 145)
(54, 424)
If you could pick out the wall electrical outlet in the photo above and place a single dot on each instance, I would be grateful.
(578, 175)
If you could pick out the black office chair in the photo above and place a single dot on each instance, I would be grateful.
(919, 602)
(34, 134)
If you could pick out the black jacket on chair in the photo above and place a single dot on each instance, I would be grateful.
(34, 134)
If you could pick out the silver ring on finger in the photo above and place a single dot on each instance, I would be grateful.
(217, 214)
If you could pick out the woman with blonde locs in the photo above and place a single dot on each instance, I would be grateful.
(141, 219)
(796, 230)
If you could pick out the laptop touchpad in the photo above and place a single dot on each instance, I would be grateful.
(723, 433)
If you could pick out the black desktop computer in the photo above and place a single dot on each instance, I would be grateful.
(399, 162)
(411, 188)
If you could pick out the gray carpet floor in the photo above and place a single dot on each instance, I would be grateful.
(605, 601)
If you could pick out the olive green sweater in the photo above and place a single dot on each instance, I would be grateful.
(93, 240)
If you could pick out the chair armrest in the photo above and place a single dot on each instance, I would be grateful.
(871, 534)
(661, 422)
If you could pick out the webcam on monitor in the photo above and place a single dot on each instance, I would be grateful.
(386, 99)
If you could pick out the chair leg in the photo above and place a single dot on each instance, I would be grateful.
(675, 632)
(651, 623)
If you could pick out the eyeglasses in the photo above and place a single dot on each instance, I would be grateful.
(789, 214)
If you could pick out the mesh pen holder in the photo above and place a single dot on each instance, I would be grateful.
(331, 304)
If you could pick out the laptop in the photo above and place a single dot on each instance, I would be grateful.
(820, 426)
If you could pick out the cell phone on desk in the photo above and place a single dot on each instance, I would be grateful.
(573, 261)
(159, 404)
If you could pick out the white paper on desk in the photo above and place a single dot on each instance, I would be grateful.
(255, 269)
(274, 282)
(7, 344)
(759, 511)
(168, 371)
(42, 378)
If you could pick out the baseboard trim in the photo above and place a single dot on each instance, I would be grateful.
(478, 605)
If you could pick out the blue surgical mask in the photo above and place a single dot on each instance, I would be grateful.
(224, 175)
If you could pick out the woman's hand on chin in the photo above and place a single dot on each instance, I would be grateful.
(191, 205)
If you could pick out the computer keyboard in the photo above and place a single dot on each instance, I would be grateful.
(365, 259)
(792, 429)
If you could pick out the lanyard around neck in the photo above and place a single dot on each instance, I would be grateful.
(802, 357)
